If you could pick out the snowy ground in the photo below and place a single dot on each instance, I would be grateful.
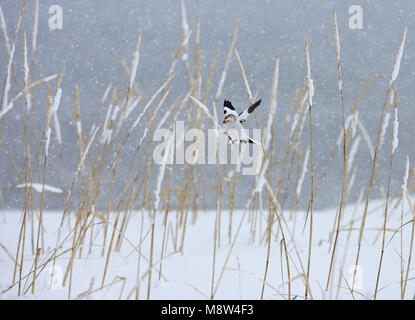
(188, 275)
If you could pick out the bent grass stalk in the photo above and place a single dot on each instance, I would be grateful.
(375, 155)
(340, 82)
(387, 198)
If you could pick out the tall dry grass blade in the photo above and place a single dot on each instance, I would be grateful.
(310, 88)
(344, 167)
(394, 145)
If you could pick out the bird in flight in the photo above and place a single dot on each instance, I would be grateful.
(233, 120)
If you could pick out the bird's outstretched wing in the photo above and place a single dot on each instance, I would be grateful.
(244, 114)
(228, 108)
(253, 107)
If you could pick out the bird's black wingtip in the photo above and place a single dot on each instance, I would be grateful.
(228, 104)
(254, 106)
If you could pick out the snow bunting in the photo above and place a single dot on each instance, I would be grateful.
(231, 115)
(233, 120)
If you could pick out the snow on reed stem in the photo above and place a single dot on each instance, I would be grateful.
(394, 145)
(246, 84)
(303, 172)
(106, 133)
(38, 187)
(4, 29)
(205, 110)
(55, 107)
(340, 83)
(197, 44)
(5, 107)
(352, 153)
(57, 128)
(404, 186)
(78, 124)
(225, 68)
(35, 27)
(26, 76)
(394, 75)
(273, 104)
(185, 26)
(398, 58)
(134, 63)
(310, 82)
(385, 125)
(395, 130)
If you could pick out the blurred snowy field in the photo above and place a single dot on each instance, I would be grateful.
(188, 274)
